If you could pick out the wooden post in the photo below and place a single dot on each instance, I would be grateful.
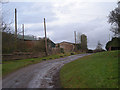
(75, 39)
(16, 29)
(45, 37)
(23, 31)
(15, 23)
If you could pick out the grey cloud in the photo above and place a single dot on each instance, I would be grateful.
(96, 29)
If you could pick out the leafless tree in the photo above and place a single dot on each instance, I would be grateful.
(114, 20)
(99, 46)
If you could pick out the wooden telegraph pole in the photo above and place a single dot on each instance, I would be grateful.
(15, 23)
(75, 39)
(15, 28)
(45, 38)
(23, 31)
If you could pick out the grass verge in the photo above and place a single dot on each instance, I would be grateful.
(13, 65)
(98, 70)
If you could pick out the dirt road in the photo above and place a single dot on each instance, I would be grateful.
(41, 75)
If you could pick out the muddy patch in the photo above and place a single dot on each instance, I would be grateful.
(56, 80)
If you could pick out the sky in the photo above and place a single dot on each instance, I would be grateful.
(63, 17)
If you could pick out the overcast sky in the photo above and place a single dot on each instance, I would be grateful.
(63, 17)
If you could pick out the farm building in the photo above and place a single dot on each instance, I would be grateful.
(67, 46)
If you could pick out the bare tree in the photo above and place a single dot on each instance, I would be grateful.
(5, 26)
(114, 20)
(99, 46)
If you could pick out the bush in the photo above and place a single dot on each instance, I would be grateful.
(62, 50)
(8, 43)
(113, 43)
(72, 53)
(90, 51)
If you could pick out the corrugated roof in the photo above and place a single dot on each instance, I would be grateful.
(26, 37)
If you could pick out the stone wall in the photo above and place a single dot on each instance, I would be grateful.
(68, 47)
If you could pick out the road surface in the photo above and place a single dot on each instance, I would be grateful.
(40, 75)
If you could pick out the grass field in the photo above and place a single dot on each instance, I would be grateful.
(98, 70)
(10, 66)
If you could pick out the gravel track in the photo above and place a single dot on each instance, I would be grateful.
(40, 75)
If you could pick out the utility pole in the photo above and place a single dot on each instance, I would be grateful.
(15, 28)
(23, 31)
(75, 39)
(45, 38)
(15, 23)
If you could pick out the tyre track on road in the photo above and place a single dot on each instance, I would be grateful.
(38, 75)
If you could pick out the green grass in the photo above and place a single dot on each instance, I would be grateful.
(98, 70)
(12, 65)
